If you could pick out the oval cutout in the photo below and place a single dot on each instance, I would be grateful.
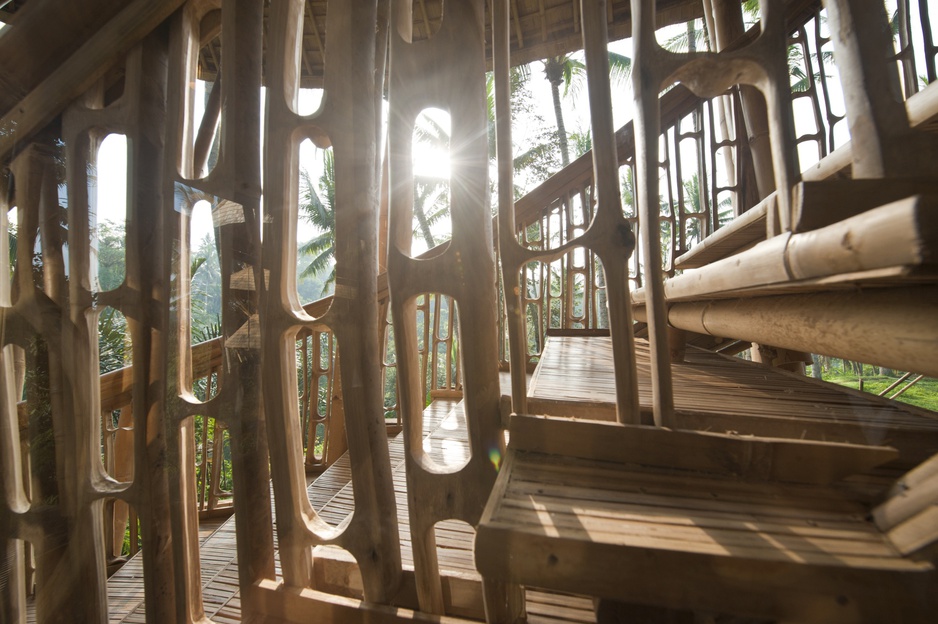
(107, 192)
(205, 290)
(115, 352)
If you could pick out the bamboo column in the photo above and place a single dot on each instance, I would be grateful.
(609, 235)
(236, 177)
(349, 121)
(13, 501)
(144, 293)
(446, 71)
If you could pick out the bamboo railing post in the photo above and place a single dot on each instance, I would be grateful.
(648, 59)
(504, 602)
(608, 218)
(447, 71)
(349, 122)
(507, 230)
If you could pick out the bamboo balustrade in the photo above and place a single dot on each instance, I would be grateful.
(126, 443)
(566, 293)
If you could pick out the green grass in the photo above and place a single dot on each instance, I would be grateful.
(923, 394)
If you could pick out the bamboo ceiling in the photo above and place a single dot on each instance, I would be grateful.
(539, 29)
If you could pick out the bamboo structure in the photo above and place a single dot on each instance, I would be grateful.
(540, 416)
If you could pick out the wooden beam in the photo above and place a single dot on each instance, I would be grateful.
(75, 75)
(747, 457)
(61, 27)
(897, 324)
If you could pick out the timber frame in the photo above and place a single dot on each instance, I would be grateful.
(613, 267)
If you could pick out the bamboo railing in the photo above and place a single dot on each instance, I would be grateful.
(706, 176)
(704, 187)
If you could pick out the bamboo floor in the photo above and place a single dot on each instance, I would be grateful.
(575, 377)
(331, 495)
(572, 371)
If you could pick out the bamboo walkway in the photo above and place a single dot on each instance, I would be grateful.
(720, 393)
(331, 495)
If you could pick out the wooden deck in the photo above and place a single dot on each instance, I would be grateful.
(713, 392)
(331, 495)
(574, 377)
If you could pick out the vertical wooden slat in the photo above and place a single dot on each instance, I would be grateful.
(349, 122)
(447, 71)
(13, 501)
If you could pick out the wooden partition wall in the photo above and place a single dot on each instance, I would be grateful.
(446, 71)
(57, 301)
(350, 122)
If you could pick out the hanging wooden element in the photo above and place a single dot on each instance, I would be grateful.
(446, 71)
(349, 121)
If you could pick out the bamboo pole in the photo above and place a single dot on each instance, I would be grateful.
(894, 384)
(609, 211)
(646, 84)
(882, 316)
(907, 386)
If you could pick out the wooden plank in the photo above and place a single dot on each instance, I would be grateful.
(301, 605)
(77, 74)
(746, 457)
(695, 552)
(61, 29)
(574, 379)
(784, 589)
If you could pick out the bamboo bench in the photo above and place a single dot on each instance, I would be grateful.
(692, 521)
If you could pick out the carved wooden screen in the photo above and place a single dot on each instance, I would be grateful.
(445, 71)
(349, 121)
(59, 301)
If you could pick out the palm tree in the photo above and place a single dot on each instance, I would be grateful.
(320, 211)
(570, 72)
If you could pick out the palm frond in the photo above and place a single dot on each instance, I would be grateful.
(318, 264)
(317, 245)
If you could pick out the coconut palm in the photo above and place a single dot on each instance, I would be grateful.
(569, 71)
(319, 210)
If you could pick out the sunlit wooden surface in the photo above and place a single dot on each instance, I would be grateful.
(716, 392)
(331, 495)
